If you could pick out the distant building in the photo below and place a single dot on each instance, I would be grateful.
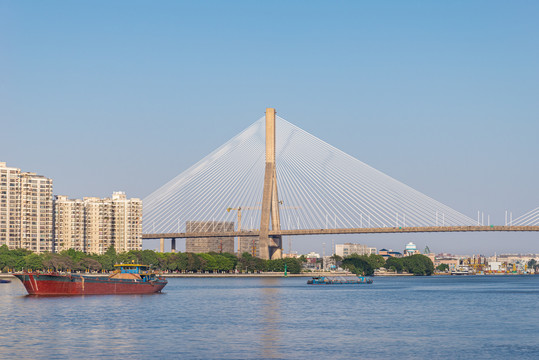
(386, 254)
(452, 262)
(344, 250)
(292, 255)
(411, 249)
(314, 261)
(26, 214)
(93, 224)
(209, 244)
(249, 244)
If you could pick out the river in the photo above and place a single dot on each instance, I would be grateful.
(469, 317)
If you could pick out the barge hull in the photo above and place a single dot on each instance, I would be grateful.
(56, 284)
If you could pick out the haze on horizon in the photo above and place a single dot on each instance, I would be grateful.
(104, 96)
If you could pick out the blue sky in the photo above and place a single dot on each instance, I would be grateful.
(104, 96)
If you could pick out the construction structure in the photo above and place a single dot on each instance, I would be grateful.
(209, 244)
(249, 244)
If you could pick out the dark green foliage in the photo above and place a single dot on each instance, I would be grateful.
(293, 266)
(249, 263)
(184, 262)
(394, 264)
(358, 264)
(376, 261)
(416, 264)
(362, 264)
(442, 267)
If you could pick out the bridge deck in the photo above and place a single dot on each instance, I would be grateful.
(344, 231)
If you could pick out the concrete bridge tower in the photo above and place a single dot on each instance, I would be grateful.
(270, 247)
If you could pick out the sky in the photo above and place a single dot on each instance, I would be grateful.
(105, 96)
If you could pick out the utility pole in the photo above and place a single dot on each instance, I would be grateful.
(323, 255)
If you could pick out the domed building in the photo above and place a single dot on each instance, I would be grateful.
(410, 249)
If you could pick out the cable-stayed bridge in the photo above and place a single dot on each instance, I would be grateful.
(279, 180)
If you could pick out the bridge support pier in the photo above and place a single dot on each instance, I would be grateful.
(270, 247)
(173, 245)
(162, 245)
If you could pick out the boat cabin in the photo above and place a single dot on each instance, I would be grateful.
(133, 271)
(132, 268)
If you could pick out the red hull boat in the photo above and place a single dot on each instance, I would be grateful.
(130, 279)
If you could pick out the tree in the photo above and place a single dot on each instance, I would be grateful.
(336, 259)
(442, 267)
(90, 264)
(376, 261)
(208, 261)
(149, 257)
(33, 261)
(194, 262)
(75, 255)
(418, 265)
(358, 264)
(250, 263)
(394, 264)
(58, 262)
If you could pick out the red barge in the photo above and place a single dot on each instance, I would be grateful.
(127, 279)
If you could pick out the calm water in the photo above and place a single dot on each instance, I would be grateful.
(475, 317)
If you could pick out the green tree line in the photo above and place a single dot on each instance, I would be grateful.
(366, 264)
(73, 260)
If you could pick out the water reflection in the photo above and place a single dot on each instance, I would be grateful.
(271, 321)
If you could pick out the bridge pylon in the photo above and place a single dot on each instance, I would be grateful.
(270, 247)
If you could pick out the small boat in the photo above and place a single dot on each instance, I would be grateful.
(4, 281)
(462, 271)
(327, 280)
(126, 279)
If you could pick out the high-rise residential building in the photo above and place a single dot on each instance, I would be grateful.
(209, 244)
(10, 206)
(126, 224)
(69, 224)
(347, 249)
(26, 212)
(97, 224)
(93, 224)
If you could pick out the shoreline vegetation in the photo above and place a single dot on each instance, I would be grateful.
(217, 264)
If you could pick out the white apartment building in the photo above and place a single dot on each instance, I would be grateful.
(344, 250)
(10, 206)
(26, 212)
(68, 224)
(93, 224)
(126, 222)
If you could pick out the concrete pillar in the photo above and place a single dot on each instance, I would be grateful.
(270, 135)
(173, 245)
(162, 245)
(270, 248)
